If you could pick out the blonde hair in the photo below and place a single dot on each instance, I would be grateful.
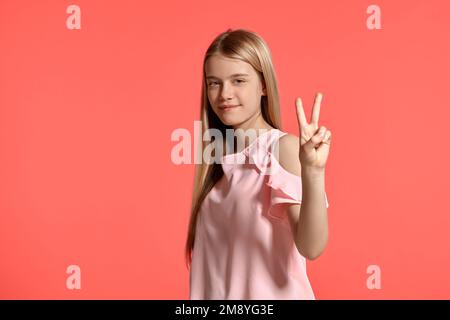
(251, 48)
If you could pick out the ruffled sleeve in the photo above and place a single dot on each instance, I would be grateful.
(285, 188)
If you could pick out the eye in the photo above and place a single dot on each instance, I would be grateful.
(213, 83)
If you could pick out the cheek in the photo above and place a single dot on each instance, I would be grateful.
(211, 98)
(213, 95)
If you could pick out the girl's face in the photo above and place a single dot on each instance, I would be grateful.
(235, 83)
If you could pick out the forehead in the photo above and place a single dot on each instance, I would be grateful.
(223, 68)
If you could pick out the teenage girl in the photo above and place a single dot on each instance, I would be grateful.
(253, 224)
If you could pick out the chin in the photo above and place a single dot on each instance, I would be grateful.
(230, 122)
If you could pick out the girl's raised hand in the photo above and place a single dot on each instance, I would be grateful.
(314, 140)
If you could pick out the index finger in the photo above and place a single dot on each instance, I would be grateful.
(301, 118)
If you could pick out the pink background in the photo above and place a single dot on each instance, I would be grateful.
(86, 116)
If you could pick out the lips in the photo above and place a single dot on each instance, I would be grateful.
(228, 106)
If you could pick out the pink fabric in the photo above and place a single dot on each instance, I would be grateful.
(244, 247)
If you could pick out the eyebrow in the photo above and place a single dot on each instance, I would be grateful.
(232, 76)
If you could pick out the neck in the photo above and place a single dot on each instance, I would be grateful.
(256, 123)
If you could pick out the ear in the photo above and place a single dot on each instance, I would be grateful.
(264, 91)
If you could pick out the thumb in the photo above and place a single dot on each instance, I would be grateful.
(316, 139)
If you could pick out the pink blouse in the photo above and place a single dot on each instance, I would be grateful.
(244, 247)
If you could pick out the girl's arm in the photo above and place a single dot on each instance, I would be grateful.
(309, 221)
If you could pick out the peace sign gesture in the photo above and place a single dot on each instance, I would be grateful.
(314, 141)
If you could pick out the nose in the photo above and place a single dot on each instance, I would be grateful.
(227, 92)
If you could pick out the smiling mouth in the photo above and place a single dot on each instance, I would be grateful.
(228, 107)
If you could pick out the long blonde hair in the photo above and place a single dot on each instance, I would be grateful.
(251, 48)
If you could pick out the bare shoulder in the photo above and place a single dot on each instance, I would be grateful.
(289, 147)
